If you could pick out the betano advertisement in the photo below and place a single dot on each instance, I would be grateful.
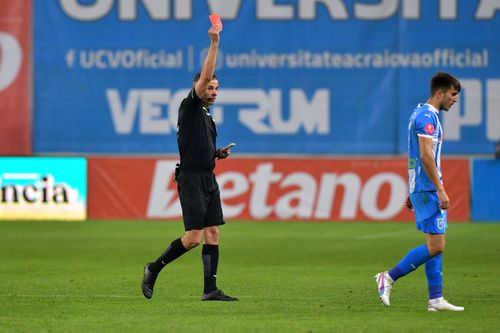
(271, 189)
(43, 188)
(296, 76)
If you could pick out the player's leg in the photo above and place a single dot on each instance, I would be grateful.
(411, 261)
(426, 207)
(433, 271)
(433, 267)
(210, 252)
(432, 221)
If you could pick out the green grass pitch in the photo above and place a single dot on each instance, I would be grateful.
(290, 277)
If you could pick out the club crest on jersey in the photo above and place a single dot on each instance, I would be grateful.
(440, 223)
(429, 128)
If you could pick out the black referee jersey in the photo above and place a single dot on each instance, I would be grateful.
(196, 135)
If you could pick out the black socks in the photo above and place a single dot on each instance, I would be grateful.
(210, 257)
(174, 251)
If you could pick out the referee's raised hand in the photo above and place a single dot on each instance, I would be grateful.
(213, 32)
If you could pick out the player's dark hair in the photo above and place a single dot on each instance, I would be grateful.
(198, 75)
(444, 82)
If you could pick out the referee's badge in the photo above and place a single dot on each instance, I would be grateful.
(208, 113)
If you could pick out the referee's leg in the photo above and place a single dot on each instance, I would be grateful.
(177, 248)
(210, 257)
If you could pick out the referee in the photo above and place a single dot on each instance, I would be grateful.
(198, 190)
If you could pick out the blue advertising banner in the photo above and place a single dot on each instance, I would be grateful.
(300, 77)
(486, 190)
(34, 188)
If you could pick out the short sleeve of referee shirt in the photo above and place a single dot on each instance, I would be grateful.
(190, 104)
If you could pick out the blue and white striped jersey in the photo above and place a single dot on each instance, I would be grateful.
(424, 121)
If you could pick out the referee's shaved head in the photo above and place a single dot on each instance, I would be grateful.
(198, 75)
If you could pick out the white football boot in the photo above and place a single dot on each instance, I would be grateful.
(384, 286)
(440, 304)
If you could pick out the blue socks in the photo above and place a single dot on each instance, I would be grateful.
(433, 270)
(414, 258)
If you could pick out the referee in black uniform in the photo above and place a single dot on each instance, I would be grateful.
(198, 190)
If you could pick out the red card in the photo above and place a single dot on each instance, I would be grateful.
(215, 19)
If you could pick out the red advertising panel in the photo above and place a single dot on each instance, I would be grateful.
(15, 78)
(456, 178)
(119, 188)
(272, 189)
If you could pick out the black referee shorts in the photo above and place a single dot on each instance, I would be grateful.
(200, 200)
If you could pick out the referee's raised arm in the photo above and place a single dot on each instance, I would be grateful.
(207, 71)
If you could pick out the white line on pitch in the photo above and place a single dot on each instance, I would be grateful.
(71, 296)
(170, 298)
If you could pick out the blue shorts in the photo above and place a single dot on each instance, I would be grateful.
(428, 216)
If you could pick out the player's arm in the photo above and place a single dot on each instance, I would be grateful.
(208, 68)
(408, 204)
(427, 158)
